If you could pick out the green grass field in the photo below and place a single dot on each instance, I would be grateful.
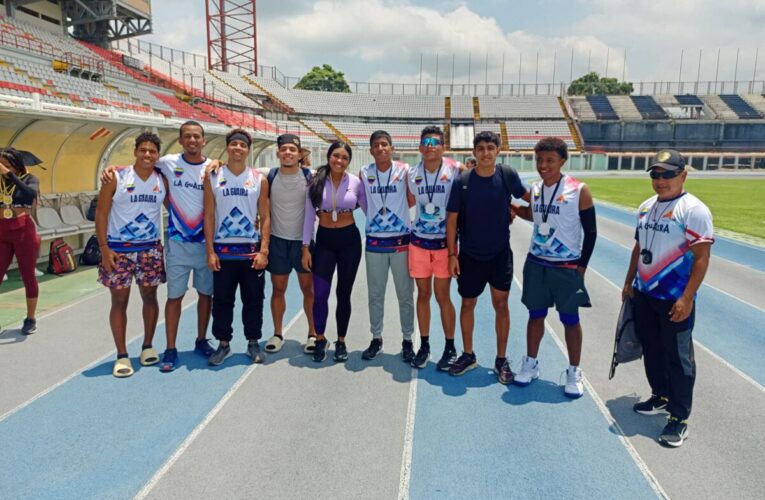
(736, 204)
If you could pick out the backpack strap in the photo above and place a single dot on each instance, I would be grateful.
(307, 173)
(464, 183)
(271, 176)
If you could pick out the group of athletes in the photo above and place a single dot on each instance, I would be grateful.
(230, 223)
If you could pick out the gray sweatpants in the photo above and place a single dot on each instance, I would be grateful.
(377, 265)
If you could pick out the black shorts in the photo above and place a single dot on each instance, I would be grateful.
(475, 274)
(545, 286)
(284, 256)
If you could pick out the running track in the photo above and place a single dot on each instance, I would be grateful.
(292, 428)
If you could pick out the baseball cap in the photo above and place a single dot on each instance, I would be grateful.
(288, 139)
(668, 159)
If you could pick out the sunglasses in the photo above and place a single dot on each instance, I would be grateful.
(667, 174)
(431, 141)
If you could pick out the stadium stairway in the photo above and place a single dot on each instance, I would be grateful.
(575, 136)
(476, 109)
(624, 107)
(448, 108)
(721, 110)
(280, 105)
(447, 136)
(314, 132)
(757, 101)
(503, 136)
(339, 134)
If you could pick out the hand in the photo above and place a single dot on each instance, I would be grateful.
(108, 259)
(213, 262)
(107, 175)
(627, 291)
(681, 309)
(213, 167)
(306, 260)
(4, 170)
(454, 266)
(260, 261)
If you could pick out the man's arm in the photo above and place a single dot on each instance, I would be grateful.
(264, 211)
(681, 309)
(104, 206)
(209, 226)
(589, 227)
(451, 242)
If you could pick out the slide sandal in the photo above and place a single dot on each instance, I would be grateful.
(122, 368)
(274, 344)
(149, 357)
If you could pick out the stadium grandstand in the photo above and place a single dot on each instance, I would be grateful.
(78, 96)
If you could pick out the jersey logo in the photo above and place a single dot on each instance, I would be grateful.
(130, 187)
(418, 179)
(371, 179)
(178, 171)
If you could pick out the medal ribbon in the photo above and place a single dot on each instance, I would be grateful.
(384, 195)
(425, 174)
(546, 209)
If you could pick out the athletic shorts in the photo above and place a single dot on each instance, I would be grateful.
(475, 274)
(424, 263)
(545, 286)
(182, 258)
(284, 256)
(146, 265)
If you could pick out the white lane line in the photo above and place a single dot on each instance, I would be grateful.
(725, 363)
(406, 456)
(203, 424)
(77, 372)
(641, 465)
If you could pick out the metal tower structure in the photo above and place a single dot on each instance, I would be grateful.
(232, 40)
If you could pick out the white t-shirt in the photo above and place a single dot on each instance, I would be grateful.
(668, 230)
(236, 205)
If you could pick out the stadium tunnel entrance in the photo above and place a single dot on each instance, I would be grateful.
(75, 151)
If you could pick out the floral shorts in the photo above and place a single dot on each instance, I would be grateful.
(147, 266)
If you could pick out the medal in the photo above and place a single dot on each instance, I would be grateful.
(7, 200)
(334, 215)
(8, 213)
(647, 256)
(544, 229)
(430, 209)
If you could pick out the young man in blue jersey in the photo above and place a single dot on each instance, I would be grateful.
(562, 242)
(387, 242)
(479, 211)
(185, 251)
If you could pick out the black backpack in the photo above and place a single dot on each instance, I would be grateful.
(91, 256)
(91, 215)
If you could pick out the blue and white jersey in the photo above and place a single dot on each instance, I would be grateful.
(387, 206)
(668, 230)
(236, 205)
(135, 216)
(186, 197)
(563, 241)
(432, 189)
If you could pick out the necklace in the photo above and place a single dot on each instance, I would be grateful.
(333, 195)
(7, 196)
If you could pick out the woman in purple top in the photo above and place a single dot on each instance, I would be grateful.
(333, 195)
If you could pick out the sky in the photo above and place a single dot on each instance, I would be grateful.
(493, 40)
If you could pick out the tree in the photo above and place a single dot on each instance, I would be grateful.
(592, 83)
(324, 78)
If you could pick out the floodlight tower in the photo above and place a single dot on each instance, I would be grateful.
(231, 35)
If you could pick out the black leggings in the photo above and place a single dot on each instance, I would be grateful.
(339, 248)
(235, 274)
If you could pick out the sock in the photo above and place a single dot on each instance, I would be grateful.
(280, 335)
(500, 360)
(450, 343)
(531, 359)
(122, 356)
(425, 341)
(146, 346)
(572, 367)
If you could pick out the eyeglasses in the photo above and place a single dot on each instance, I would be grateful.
(667, 174)
(431, 141)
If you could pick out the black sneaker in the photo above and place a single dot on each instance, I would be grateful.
(220, 355)
(29, 327)
(320, 350)
(447, 359)
(407, 351)
(422, 357)
(373, 350)
(341, 352)
(254, 352)
(674, 433)
(464, 363)
(652, 406)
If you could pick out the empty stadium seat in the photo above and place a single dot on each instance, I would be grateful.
(72, 215)
(648, 107)
(47, 218)
(740, 106)
(602, 107)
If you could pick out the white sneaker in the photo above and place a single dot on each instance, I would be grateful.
(574, 386)
(529, 372)
(39, 273)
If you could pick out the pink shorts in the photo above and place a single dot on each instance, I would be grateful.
(147, 266)
(424, 263)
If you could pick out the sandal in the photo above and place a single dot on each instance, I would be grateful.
(310, 345)
(122, 368)
(274, 344)
(149, 357)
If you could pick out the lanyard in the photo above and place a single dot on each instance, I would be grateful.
(656, 218)
(546, 209)
(428, 192)
(384, 195)
(333, 191)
